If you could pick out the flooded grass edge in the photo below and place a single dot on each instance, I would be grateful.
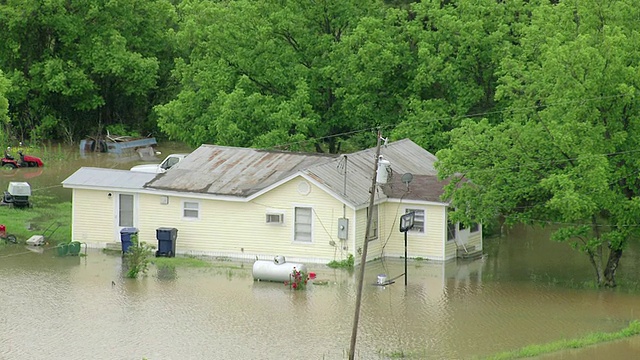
(565, 344)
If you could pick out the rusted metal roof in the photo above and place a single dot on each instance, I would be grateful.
(421, 187)
(232, 171)
(404, 155)
(107, 178)
(242, 172)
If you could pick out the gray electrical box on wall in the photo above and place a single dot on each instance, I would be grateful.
(343, 228)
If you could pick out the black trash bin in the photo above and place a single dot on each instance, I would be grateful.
(125, 237)
(166, 241)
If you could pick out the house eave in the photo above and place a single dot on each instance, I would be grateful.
(161, 192)
(421, 202)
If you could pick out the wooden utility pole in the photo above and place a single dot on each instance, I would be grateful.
(363, 260)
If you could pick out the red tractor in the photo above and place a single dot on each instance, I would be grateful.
(7, 237)
(8, 162)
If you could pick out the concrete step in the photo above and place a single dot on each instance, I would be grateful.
(470, 255)
(115, 246)
(469, 252)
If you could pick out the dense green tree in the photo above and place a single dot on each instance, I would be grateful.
(4, 108)
(259, 74)
(566, 151)
(78, 66)
(281, 72)
(457, 46)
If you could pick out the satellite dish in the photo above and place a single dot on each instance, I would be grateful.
(406, 179)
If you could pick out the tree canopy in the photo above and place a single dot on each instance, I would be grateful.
(277, 72)
(83, 64)
(566, 149)
(4, 106)
(316, 75)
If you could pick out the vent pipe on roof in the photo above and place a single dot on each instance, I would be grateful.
(344, 189)
(384, 171)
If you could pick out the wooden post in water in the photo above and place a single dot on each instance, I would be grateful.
(363, 260)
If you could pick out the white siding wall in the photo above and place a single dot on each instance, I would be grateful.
(374, 248)
(239, 229)
(451, 250)
(361, 226)
(93, 217)
(428, 245)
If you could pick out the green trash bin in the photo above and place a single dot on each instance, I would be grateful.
(74, 248)
(62, 249)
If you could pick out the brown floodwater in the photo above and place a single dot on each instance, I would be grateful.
(84, 308)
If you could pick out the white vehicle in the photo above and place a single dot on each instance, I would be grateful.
(165, 165)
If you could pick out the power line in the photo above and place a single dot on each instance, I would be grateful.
(541, 106)
(468, 116)
(531, 164)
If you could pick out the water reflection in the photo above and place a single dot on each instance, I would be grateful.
(167, 273)
(446, 311)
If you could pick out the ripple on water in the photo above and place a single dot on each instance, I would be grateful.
(85, 309)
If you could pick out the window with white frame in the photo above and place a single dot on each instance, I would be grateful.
(418, 220)
(275, 218)
(302, 224)
(475, 227)
(373, 231)
(191, 210)
(125, 210)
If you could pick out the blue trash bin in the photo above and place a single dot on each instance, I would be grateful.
(125, 237)
(166, 241)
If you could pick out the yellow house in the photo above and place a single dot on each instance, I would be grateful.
(252, 203)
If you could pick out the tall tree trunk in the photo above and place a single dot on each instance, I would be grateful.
(596, 262)
(612, 266)
(595, 255)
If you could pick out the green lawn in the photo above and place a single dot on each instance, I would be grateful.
(46, 217)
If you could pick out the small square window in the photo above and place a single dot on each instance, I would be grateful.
(191, 210)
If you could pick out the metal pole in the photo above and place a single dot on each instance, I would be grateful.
(405, 259)
(363, 260)
(344, 189)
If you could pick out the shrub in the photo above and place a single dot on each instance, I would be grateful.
(297, 280)
(137, 257)
(345, 264)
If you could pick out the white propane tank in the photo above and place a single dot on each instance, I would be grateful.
(384, 168)
(276, 270)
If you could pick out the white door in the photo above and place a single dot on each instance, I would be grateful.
(125, 212)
